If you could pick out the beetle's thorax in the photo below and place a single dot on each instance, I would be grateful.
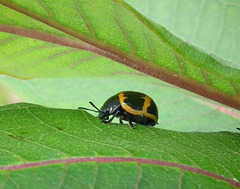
(109, 107)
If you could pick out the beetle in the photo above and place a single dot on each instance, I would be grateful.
(130, 106)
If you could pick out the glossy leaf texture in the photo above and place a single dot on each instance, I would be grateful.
(44, 39)
(71, 148)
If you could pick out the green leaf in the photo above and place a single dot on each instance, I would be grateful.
(74, 48)
(119, 33)
(71, 148)
(211, 25)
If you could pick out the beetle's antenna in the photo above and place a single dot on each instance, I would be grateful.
(82, 108)
(94, 106)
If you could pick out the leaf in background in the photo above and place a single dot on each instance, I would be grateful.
(120, 33)
(71, 148)
(3, 95)
(7, 96)
(212, 25)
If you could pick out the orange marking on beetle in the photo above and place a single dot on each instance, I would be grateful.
(129, 109)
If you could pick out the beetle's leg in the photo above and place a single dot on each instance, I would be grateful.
(120, 121)
(131, 124)
(110, 120)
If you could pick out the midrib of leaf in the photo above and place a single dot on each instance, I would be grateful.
(106, 160)
(181, 51)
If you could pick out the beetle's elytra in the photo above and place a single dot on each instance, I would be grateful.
(130, 106)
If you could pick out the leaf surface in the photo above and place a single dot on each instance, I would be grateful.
(72, 148)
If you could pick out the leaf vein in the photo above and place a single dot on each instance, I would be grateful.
(87, 24)
(95, 176)
(9, 39)
(13, 154)
(139, 177)
(5, 180)
(180, 179)
(46, 9)
(152, 56)
(133, 50)
(39, 144)
(63, 176)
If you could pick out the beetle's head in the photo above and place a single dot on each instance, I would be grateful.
(103, 115)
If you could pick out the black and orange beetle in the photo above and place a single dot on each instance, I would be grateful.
(130, 106)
